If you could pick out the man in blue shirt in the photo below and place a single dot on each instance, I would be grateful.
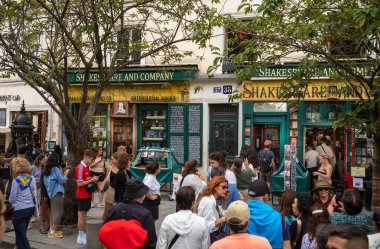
(264, 220)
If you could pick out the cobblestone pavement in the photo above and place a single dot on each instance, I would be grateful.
(41, 241)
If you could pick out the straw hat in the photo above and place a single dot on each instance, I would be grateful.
(323, 184)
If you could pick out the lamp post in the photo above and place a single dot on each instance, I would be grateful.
(22, 130)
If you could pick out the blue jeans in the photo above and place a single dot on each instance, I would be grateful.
(20, 223)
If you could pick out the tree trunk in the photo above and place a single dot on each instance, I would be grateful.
(77, 143)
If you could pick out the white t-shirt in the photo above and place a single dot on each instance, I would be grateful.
(311, 158)
(152, 183)
(230, 176)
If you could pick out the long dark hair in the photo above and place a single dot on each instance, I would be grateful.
(287, 200)
(51, 162)
(318, 214)
(190, 167)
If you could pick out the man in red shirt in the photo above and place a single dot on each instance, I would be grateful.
(83, 178)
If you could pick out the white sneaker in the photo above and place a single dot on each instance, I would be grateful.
(32, 220)
(84, 239)
(80, 240)
(93, 205)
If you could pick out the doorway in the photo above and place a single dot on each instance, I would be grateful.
(262, 132)
(313, 135)
(224, 129)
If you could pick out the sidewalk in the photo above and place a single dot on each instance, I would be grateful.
(41, 241)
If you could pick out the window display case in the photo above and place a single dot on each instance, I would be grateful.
(98, 130)
(122, 134)
(153, 127)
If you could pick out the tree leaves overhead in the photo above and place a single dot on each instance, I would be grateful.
(42, 41)
(311, 34)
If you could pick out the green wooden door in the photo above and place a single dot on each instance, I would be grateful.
(224, 129)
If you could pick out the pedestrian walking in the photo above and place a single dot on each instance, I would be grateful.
(122, 176)
(184, 229)
(97, 168)
(153, 197)
(83, 178)
(23, 201)
(131, 208)
(324, 172)
(217, 160)
(2, 212)
(237, 218)
(109, 197)
(243, 177)
(264, 220)
(192, 177)
(318, 214)
(36, 170)
(347, 236)
(210, 210)
(301, 207)
(266, 162)
(54, 181)
(45, 205)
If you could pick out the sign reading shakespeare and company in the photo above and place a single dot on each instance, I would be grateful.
(138, 76)
(319, 90)
(288, 71)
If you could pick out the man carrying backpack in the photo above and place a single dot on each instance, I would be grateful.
(266, 160)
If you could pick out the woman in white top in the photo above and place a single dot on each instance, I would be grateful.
(208, 208)
(325, 170)
(153, 197)
(190, 177)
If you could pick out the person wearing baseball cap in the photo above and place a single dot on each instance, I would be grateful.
(132, 209)
(264, 220)
(237, 218)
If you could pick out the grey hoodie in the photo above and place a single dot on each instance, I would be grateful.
(191, 228)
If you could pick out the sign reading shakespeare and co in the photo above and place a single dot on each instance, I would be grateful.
(319, 90)
(138, 76)
(288, 71)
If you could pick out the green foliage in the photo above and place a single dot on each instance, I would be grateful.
(313, 34)
(42, 41)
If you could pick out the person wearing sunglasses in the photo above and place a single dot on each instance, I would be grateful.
(208, 208)
(323, 194)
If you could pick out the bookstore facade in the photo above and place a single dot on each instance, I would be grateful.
(146, 108)
(267, 117)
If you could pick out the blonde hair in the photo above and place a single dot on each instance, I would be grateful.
(267, 143)
(327, 157)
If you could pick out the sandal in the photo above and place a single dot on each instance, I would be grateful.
(43, 231)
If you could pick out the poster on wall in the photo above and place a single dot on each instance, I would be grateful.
(290, 168)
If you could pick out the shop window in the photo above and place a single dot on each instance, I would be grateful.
(313, 113)
(334, 110)
(3, 117)
(270, 107)
(98, 129)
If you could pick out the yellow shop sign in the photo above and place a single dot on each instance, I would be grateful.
(319, 90)
(177, 92)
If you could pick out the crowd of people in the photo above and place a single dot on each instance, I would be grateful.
(230, 208)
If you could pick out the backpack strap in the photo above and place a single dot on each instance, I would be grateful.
(176, 236)
(183, 178)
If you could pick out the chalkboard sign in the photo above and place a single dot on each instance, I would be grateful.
(194, 119)
(195, 148)
(177, 144)
(177, 119)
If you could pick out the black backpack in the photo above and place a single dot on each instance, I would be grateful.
(265, 161)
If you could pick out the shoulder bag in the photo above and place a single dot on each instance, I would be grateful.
(299, 224)
(176, 236)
